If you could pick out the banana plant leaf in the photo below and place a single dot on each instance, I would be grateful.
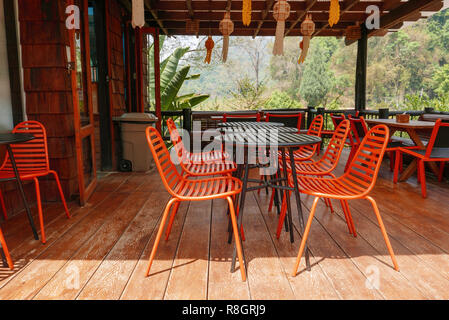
(168, 95)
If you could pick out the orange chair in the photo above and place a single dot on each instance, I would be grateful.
(322, 167)
(307, 152)
(2, 204)
(200, 164)
(437, 150)
(5, 251)
(32, 162)
(289, 119)
(356, 183)
(183, 189)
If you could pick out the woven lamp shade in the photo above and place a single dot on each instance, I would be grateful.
(281, 11)
(192, 26)
(138, 14)
(308, 26)
(226, 28)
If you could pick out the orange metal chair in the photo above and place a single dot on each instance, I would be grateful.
(32, 163)
(183, 189)
(322, 167)
(437, 150)
(288, 119)
(5, 251)
(200, 164)
(356, 183)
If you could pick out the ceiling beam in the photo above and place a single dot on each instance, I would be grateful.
(309, 5)
(269, 5)
(155, 16)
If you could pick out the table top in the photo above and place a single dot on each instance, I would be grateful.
(12, 138)
(250, 124)
(413, 124)
(268, 138)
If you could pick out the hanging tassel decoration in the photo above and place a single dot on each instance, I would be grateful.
(138, 16)
(334, 12)
(226, 28)
(246, 12)
(307, 30)
(281, 11)
(209, 46)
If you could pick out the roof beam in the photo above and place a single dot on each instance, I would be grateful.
(348, 5)
(309, 6)
(269, 5)
(154, 14)
(400, 14)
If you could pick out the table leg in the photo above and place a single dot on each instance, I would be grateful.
(241, 207)
(298, 204)
(22, 193)
(287, 197)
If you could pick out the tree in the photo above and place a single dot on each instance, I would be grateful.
(441, 80)
(318, 80)
(249, 95)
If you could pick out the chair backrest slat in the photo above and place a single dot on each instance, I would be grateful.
(289, 119)
(439, 137)
(230, 117)
(316, 126)
(336, 145)
(358, 128)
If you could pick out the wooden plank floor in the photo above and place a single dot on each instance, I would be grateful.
(102, 251)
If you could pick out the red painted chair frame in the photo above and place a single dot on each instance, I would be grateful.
(6, 251)
(423, 158)
(356, 183)
(298, 115)
(32, 162)
(256, 116)
(321, 168)
(183, 189)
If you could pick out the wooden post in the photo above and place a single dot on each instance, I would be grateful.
(157, 81)
(360, 75)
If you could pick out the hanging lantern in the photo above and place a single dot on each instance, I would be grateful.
(138, 17)
(246, 12)
(209, 46)
(226, 28)
(307, 30)
(192, 26)
(334, 12)
(281, 11)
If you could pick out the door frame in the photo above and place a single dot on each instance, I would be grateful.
(88, 130)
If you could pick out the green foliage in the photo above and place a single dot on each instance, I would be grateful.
(281, 100)
(249, 95)
(173, 77)
(441, 80)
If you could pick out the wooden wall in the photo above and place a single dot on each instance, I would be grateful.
(44, 37)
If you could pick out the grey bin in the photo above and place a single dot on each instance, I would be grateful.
(135, 155)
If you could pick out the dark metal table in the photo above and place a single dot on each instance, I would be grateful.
(277, 140)
(8, 139)
(249, 124)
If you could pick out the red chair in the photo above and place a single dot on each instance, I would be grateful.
(183, 189)
(200, 164)
(356, 183)
(32, 162)
(336, 119)
(5, 251)
(292, 119)
(230, 117)
(437, 150)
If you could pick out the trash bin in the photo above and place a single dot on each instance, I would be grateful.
(135, 154)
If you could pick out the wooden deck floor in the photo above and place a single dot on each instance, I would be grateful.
(102, 252)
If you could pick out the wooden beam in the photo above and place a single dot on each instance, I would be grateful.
(155, 16)
(309, 6)
(348, 5)
(127, 5)
(269, 5)
(190, 8)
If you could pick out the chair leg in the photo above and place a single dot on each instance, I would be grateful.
(2, 204)
(67, 213)
(396, 166)
(422, 178)
(384, 232)
(441, 172)
(237, 239)
(351, 221)
(172, 219)
(39, 208)
(401, 164)
(5, 250)
(392, 160)
(343, 206)
(159, 233)
(270, 206)
(305, 235)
